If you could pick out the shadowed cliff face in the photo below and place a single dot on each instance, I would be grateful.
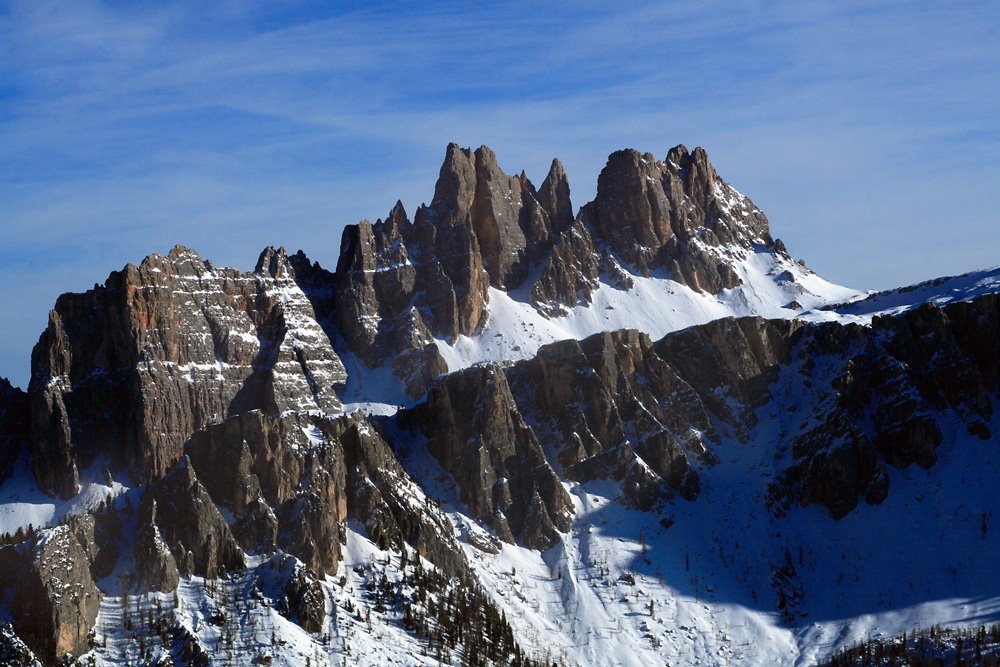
(650, 415)
(473, 428)
(15, 418)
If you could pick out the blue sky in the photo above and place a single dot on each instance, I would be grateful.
(868, 132)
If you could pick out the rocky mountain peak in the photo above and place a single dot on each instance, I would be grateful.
(274, 263)
(455, 187)
(555, 198)
(677, 214)
(397, 223)
(483, 228)
(180, 252)
(131, 368)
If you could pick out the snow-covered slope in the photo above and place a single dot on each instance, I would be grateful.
(940, 291)
(700, 582)
(773, 286)
(23, 504)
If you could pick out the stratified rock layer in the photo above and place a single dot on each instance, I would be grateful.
(132, 368)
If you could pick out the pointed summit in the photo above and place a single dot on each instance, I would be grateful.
(555, 199)
(274, 263)
(649, 212)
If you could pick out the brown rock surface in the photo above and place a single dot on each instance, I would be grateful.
(190, 524)
(54, 601)
(613, 408)
(284, 483)
(475, 431)
(15, 419)
(133, 367)
(390, 504)
(676, 214)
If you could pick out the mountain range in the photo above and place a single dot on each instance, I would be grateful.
(505, 431)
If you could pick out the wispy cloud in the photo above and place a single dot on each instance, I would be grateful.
(867, 131)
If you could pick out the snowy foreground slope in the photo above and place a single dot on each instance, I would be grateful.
(504, 432)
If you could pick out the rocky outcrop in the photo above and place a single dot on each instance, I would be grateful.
(835, 464)
(475, 431)
(554, 197)
(15, 416)
(399, 284)
(676, 214)
(632, 418)
(190, 524)
(284, 486)
(512, 223)
(13, 651)
(155, 566)
(112, 370)
(54, 600)
(390, 504)
(131, 368)
(877, 396)
(618, 406)
(569, 275)
(418, 367)
(292, 482)
(731, 362)
(298, 593)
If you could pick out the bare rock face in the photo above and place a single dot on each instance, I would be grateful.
(190, 524)
(633, 419)
(399, 284)
(156, 567)
(836, 464)
(133, 367)
(301, 371)
(570, 273)
(475, 431)
(15, 417)
(55, 601)
(512, 222)
(376, 282)
(874, 394)
(292, 481)
(494, 211)
(418, 367)
(554, 197)
(731, 362)
(390, 504)
(299, 594)
(13, 651)
(676, 214)
(284, 484)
